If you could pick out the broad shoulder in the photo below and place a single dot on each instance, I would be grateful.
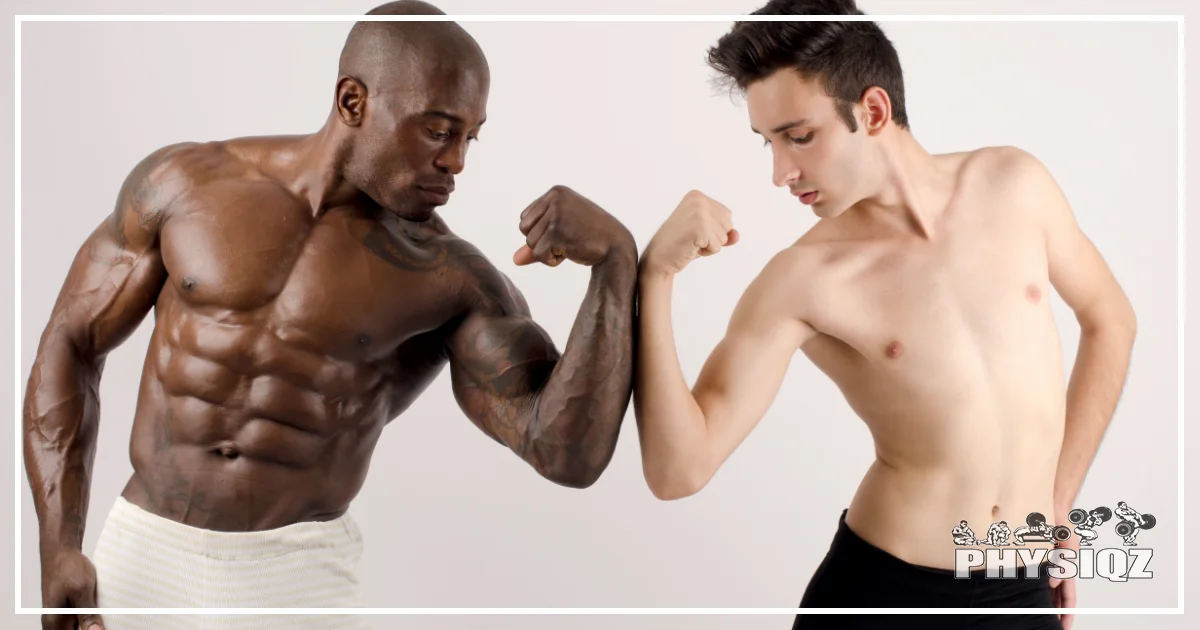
(167, 174)
(485, 290)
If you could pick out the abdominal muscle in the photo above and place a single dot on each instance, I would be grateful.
(987, 458)
(255, 452)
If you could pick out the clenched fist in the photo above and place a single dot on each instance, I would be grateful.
(699, 226)
(564, 225)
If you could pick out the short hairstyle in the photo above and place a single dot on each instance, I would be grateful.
(847, 57)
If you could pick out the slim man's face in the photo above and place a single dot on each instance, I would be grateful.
(813, 152)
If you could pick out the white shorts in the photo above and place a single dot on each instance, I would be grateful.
(146, 561)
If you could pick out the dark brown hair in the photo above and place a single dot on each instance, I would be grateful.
(848, 57)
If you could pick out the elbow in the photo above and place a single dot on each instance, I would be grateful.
(672, 485)
(577, 477)
(1118, 323)
(568, 467)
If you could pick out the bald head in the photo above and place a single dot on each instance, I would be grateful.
(385, 56)
(410, 98)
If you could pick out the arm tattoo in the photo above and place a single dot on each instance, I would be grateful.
(562, 414)
(402, 255)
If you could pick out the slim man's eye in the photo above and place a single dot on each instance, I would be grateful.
(439, 135)
(805, 139)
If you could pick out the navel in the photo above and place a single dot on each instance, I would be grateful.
(228, 450)
(1033, 294)
(894, 350)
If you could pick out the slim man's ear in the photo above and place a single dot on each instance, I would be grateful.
(877, 106)
(351, 100)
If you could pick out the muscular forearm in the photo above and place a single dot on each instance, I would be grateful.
(671, 424)
(581, 406)
(1096, 381)
(61, 415)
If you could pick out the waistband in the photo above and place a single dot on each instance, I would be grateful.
(845, 541)
(336, 535)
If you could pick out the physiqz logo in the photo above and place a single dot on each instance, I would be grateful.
(1005, 546)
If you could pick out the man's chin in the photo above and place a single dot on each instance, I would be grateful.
(411, 210)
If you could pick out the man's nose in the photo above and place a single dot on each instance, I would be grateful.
(454, 158)
(782, 167)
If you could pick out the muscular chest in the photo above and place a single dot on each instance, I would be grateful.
(334, 285)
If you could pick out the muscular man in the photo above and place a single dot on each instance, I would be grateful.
(305, 292)
(1087, 529)
(998, 534)
(923, 292)
(1131, 516)
(1040, 529)
(962, 534)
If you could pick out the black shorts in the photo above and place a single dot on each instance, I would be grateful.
(857, 574)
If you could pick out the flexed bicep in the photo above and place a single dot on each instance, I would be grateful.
(498, 365)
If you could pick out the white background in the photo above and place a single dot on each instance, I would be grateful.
(624, 114)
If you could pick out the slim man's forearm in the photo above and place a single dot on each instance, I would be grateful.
(581, 407)
(1097, 379)
(61, 416)
(671, 424)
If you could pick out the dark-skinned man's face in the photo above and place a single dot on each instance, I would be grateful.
(414, 135)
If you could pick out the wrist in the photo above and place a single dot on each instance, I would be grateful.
(649, 272)
(623, 252)
(51, 548)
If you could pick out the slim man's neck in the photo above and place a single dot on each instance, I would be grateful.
(912, 189)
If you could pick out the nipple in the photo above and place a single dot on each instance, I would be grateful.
(894, 350)
(1033, 294)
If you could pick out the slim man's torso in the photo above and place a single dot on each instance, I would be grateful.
(946, 347)
(284, 341)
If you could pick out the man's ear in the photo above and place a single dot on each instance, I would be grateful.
(351, 101)
(877, 106)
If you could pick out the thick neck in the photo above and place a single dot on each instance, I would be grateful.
(312, 167)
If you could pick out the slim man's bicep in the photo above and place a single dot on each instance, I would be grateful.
(742, 376)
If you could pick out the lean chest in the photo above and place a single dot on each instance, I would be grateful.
(939, 302)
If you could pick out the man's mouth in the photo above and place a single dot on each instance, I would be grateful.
(806, 198)
(436, 194)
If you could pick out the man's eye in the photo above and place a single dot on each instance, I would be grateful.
(805, 139)
(439, 135)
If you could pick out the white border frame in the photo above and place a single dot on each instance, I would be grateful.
(19, 399)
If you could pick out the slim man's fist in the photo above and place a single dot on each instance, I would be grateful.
(564, 225)
(699, 226)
